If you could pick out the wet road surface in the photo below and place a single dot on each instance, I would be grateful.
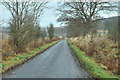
(56, 62)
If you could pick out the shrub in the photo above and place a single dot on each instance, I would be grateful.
(102, 50)
(12, 62)
(35, 44)
(91, 66)
(7, 48)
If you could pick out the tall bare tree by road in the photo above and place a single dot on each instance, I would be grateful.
(24, 19)
(84, 12)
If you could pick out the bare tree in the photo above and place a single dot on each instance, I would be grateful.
(119, 44)
(85, 12)
(20, 26)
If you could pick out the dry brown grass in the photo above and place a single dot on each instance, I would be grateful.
(102, 50)
(35, 44)
(8, 48)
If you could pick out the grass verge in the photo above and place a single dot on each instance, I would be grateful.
(12, 62)
(92, 67)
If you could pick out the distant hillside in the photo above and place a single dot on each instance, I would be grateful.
(108, 22)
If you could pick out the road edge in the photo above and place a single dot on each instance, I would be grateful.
(83, 66)
(28, 58)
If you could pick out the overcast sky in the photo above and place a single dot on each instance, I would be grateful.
(49, 16)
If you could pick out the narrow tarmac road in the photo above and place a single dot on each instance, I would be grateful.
(56, 62)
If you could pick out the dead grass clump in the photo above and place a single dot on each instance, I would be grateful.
(102, 50)
(47, 40)
(7, 48)
(39, 42)
(55, 39)
(35, 44)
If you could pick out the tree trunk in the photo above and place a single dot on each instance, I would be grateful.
(118, 44)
